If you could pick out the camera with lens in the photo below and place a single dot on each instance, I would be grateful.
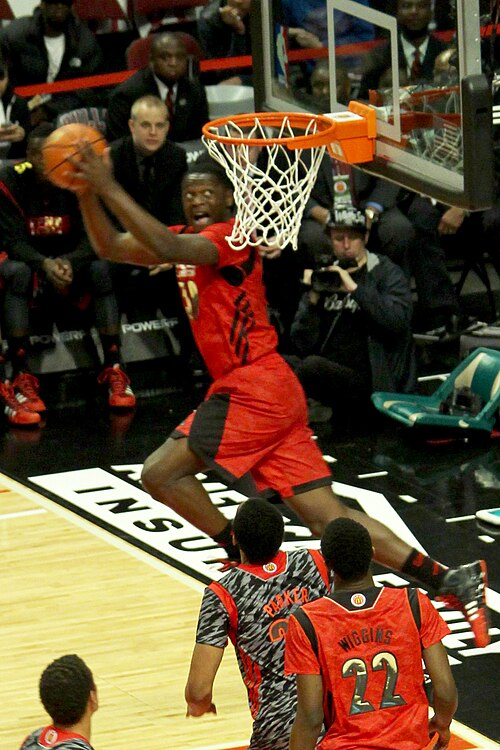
(326, 281)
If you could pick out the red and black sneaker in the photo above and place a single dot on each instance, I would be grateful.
(120, 394)
(26, 387)
(17, 412)
(464, 588)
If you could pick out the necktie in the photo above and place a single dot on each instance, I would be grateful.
(147, 179)
(416, 67)
(169, 101)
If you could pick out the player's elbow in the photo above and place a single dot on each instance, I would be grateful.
(444, 692)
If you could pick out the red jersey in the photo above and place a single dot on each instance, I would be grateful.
(226, 304)
(369, 654)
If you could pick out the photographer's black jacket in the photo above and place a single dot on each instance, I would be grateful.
(384, 300)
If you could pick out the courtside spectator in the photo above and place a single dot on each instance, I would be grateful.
(41, 232)
(224, 31)
(167, 77)
(151, 168)
(14, 118)
(51, 45)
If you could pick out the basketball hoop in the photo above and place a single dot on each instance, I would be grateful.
(272, 160)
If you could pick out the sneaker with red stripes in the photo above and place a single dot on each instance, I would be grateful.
(464, 588)
(26, 387)
(120, 394)
(17, 413)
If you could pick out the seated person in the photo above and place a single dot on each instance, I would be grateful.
(307, 24)
(14, 118)
(51, 45)
(306, 21)
(317, 92)
(417, 48)
(404, 226)
(165, 77)
(352, 330)
(224, 31)
(42, 233)
(151, 168)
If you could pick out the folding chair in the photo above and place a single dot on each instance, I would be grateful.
(468, 400)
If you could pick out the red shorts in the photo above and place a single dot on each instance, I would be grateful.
(254, 421)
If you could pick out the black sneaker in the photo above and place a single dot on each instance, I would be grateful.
(464, 588)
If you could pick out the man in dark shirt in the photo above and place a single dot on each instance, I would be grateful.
(417, 48)
(353, 325)
(166, 77)
(151, 168)
(51, 45)
(47, 248)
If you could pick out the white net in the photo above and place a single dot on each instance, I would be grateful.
(272, 183)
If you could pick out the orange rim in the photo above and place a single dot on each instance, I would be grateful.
(324, 135)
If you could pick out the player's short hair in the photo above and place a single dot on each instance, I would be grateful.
(347, 548)
(205, 164)
(64, 688)
(258, 528)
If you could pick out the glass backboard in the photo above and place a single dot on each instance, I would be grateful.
(434, 113)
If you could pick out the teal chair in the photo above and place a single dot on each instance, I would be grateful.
(469, 398)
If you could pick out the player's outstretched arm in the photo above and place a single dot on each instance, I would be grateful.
(444, 691)
(309, 718)
(107, 241)
(205, 662)
(149, 233)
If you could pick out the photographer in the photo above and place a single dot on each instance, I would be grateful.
(352, 330)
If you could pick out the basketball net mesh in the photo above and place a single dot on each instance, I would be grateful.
(272, 183)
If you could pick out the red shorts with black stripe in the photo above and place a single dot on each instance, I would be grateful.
(253, 421)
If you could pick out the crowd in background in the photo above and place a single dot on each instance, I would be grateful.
(148, 119)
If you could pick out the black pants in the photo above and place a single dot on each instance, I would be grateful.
(341, 388)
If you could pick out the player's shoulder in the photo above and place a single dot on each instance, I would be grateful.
(219, 228)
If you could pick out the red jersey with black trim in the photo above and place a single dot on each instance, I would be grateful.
(226, 304)
(250, 606)
(370, 661)
(50, 737)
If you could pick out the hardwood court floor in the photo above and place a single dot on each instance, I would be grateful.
(92, 565)
(71, 588)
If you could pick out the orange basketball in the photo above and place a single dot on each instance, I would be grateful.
(61, 145)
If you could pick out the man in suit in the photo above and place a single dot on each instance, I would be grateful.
(417, 48)
(151, 168)
(165, 77)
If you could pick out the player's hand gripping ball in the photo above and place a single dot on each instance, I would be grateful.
(63, 145)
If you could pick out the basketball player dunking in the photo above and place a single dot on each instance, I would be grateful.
(252, 424)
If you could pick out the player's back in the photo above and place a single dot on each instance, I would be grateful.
(369, 649)
(259, 600)
(49, 737)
